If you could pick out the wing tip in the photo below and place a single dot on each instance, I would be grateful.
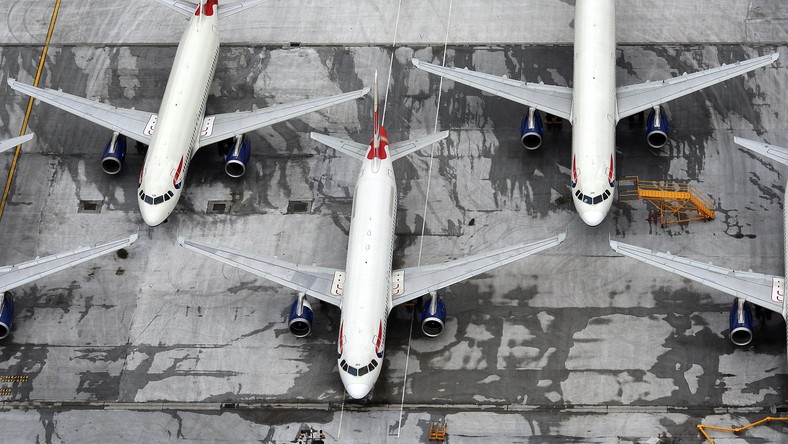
(415, 62)
(614, 245)
(775, 56)
(182, 241)
(561, 237)
(133, 238)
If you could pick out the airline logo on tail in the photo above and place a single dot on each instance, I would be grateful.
(207, 8)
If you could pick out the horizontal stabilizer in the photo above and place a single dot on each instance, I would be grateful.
(556, 100)
(180, 6)
(188, 8)
(636, 98)
(310, 280)
(6, 145)
(759, 289)
(402, 149)
(13, 276)
(349, 147)
(772, 152)
(418, 281)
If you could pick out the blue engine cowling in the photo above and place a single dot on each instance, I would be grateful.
(531, 130)
(741, 323)
(6, 314)
(114, 154)
(433, 316)
(236, 160)
(657, 128)
(300, 319)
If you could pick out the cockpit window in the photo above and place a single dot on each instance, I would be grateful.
(589, 200)
(150, 200)
(360, 371)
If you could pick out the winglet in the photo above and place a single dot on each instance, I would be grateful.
(182, 241)
(133, 238)
(415, 62)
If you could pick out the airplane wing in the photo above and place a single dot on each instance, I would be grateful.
(636, 98)
(760, 289)
(556, 100)
(312, 281)
(402, 149)
(182, 7)
(13, 276)
(6, 145)
(772, 152)
(129, 122)
(229, 125)
(349, 147)
(419, 281)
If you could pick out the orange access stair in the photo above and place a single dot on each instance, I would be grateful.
(677, 202)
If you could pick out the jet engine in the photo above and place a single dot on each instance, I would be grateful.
(236, 160)
(300, 319)
(433, 316)
(114, 154)
(657, 128)
(741, 322)
(6, 314)
(531, 130)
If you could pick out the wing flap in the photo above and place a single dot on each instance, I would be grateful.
(402, 149)
(13, 276)
(556, 100)
(419, 281)
(129, 122)
(775, 153)
(636, 98)
(234, 8)
(313, 281)
(234, 124)
(760, 289)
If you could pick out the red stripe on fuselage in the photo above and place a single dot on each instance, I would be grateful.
(380, 338)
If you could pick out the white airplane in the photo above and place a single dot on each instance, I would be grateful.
(594, 106)
(368, 289)
(181, 127)
(746, 287)
(13, 276)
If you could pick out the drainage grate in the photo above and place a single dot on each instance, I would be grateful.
(299, 206)
(90, 206)
(219, 206)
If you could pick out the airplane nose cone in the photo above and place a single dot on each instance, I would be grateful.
(592, 218)
(357, 391)
(151, 217)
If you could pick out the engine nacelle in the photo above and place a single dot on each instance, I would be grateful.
(433, 316)
(741, 322)
(114, 154)
(6, 314)
(531, 130)
(657, 128)
(300, 319)
(236, 160)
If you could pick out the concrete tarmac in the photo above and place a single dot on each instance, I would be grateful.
(576, 344)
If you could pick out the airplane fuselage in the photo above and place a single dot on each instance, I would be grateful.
(366, 297)
(594, 114)
(179, 123)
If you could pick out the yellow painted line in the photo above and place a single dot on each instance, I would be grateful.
(29, 107)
